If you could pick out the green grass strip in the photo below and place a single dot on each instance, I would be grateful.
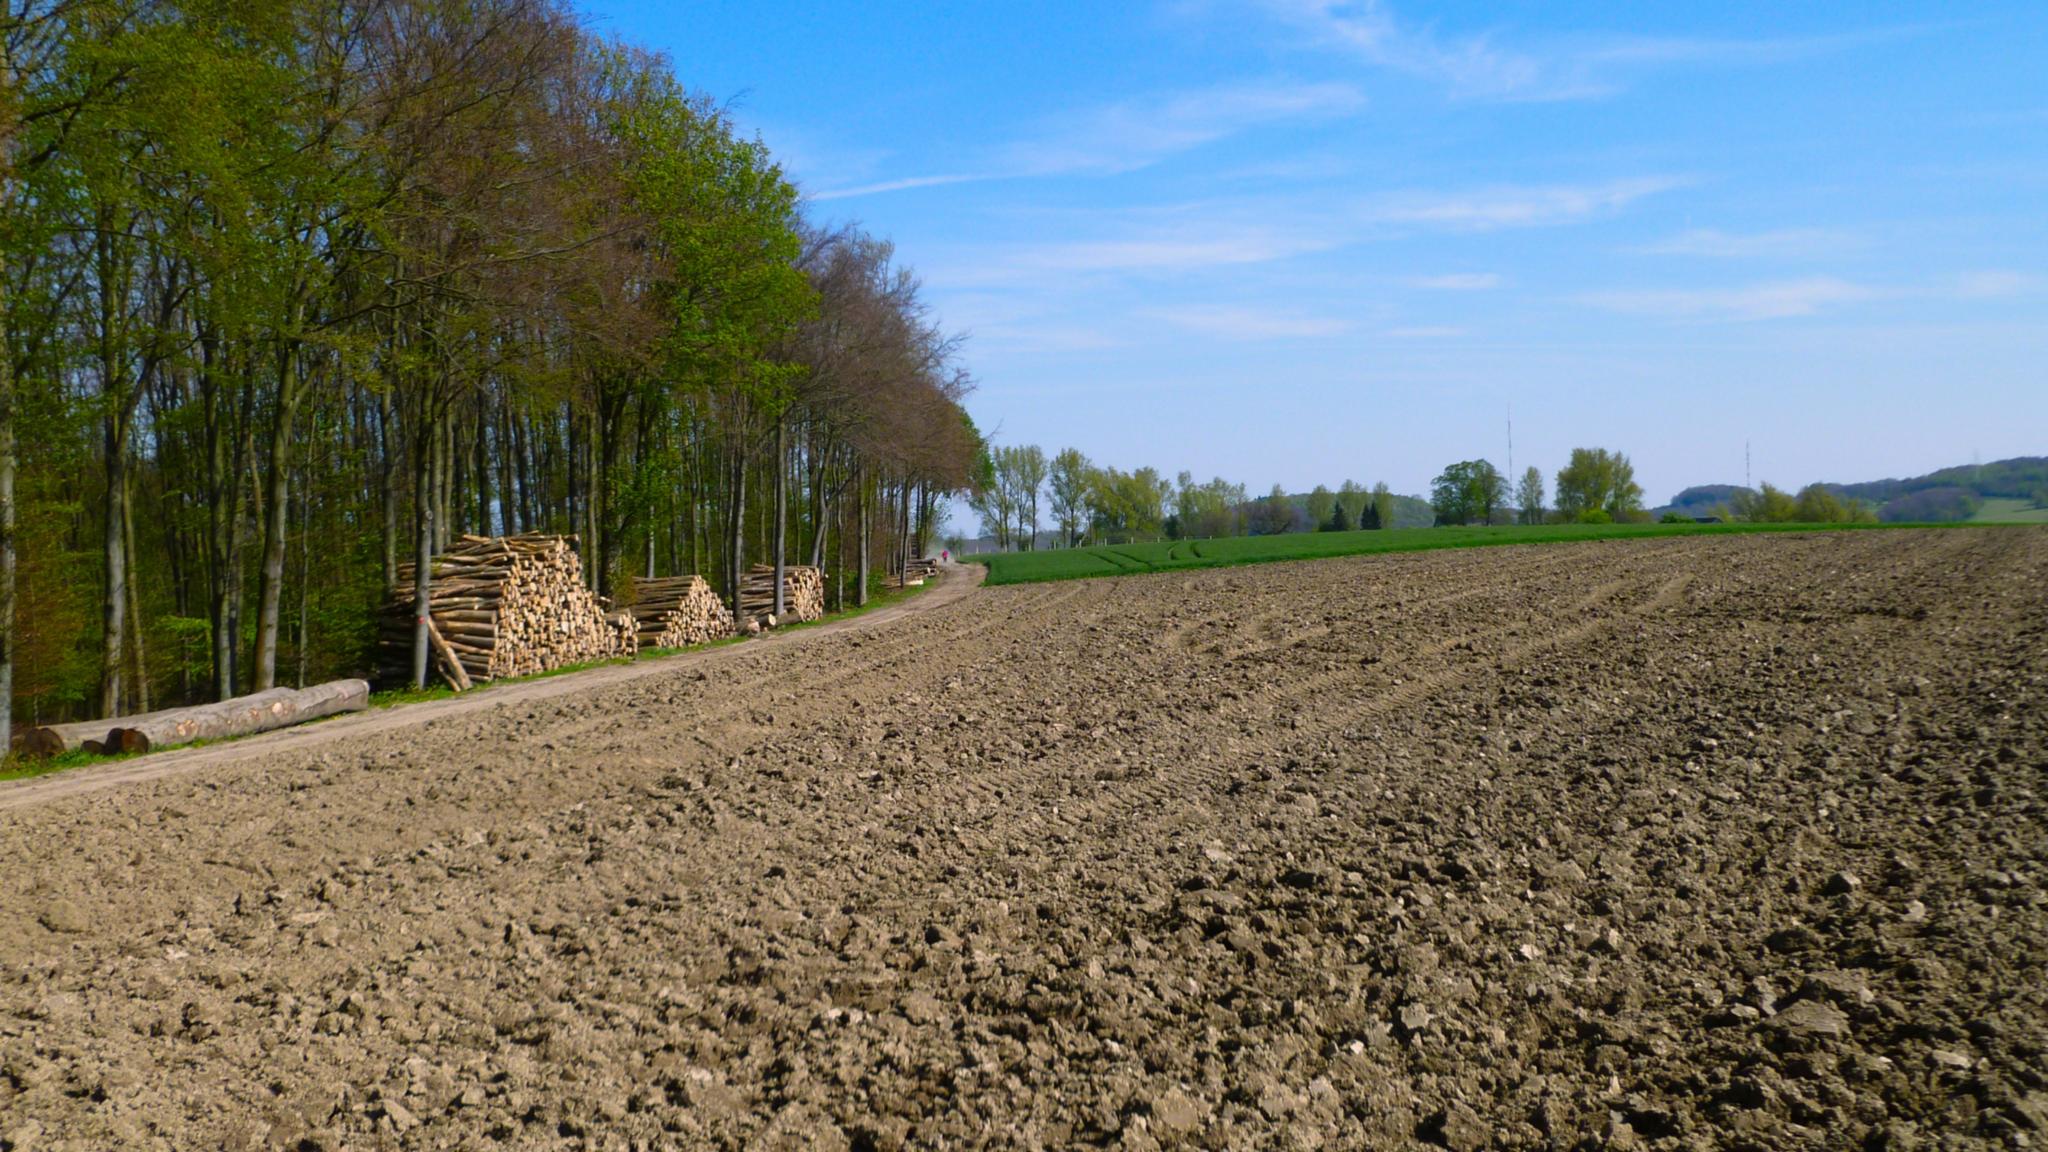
(1160, 556)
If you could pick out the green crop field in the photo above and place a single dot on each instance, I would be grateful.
(1178, 555)
(1997, 511)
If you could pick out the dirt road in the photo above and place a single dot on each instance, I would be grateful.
(1729, 842)
(960, 579)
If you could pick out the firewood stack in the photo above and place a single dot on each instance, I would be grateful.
(503, 606)
(677, 611)
(803, 596)
(918, 571)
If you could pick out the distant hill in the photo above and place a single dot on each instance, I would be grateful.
(1702, 499)
(2016, 479)
(1957, 493)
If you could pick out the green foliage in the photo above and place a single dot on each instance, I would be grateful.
(1353, 498)
(1467, 492)
(1126, 506)
(1128, 559)
(1815, 504)
(1674, 517)
(1340, 518)
(1272, 514)
(1319, 505)
(1529, 497)
(1208, 510)
(1599, 479)
(1067, 481)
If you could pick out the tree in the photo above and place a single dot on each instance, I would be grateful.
(1382, 506)
(1598, 479)
(1024, 470)
(1273, 514)
(1529, 496)
(1068, 481)
(1340, 518)
(1467, 493)
(274, 274)
(1353, 499)
(1320, 501)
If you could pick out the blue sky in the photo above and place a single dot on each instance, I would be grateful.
(1300, 241)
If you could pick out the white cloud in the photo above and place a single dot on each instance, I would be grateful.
(1783, 244)
(1777, 300)
(1459, 282)
(1231, 323)
(1127, 136)
(1163, 253)
(1135, 134)
(1993, 283)
(893, 186)
(1481, 66)
(1519, 207)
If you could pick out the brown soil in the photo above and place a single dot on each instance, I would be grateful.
(1731, 842)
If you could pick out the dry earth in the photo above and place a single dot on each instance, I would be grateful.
(1698, 843)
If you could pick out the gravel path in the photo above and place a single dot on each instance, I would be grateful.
(1693, 843)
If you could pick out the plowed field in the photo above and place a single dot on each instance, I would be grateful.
(1690, 843)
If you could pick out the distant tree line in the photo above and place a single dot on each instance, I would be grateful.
(1019, 494)
(297, 290)
(1596, 486)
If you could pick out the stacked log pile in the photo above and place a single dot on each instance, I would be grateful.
(803, 596)
(503, 606)
(677, 611)
(918, 571)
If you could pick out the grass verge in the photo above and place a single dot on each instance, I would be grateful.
(1165, 556)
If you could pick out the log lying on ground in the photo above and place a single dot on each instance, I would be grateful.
(677, 611)
(803, 594)
(502, 606)
(241, 716)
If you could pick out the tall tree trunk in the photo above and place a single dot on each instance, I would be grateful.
(781, 513)
(480, 460)
(277, 516)
(138, 655)
(423, 542)
(387, 483)
(6, 479)
(7, 391)
(305, 575)
(507, 503)
(736, 535)
(860, 552)
(114, 615)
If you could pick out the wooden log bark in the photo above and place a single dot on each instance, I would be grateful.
(241, 716)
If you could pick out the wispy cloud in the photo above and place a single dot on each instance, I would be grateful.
(1518, 207)
(1993, 283)
(1459, 282)
(1167, 253)
(1485, 66)
(1232, 323)
(1424, 332)
(894, 186)
(1777, 300)
(1135, 134)
(1782, 244)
